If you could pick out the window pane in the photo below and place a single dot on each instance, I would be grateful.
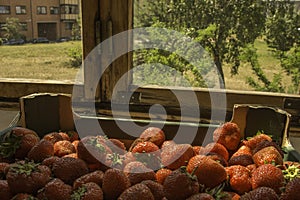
(4, 9)
(241, 39)
(20, 10)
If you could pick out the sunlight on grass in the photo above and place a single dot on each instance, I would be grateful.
(38, 61)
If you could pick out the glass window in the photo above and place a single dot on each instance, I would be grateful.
(69, 25)
(54, 10)
(23, 26)
(4, 9)
(69, 9)
(20, 9)
(41, 10)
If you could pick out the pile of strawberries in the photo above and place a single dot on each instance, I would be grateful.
(62, 166)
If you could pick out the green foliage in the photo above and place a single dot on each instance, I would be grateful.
(222, 27)
(75, 55)
(76, 29)
(12, 28)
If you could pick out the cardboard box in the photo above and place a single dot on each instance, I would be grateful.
(47, 112)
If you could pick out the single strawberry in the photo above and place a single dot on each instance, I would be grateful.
(180, 184)
(243, 156)
(167, 143)
(201, 196)
(88, 191)
(73, 135)
(3, 166)
(267, 155)
(69, 169)
(138, 172)
(63, 147)
(268, 175)
(175, 156)
(292, 189)
(229, 135)
(210, 173)
(156, 188)
(153, 134)
(239, 178)
(115, 182)
(56, 189)
(64, 135)
(255, 140)
(137, 192)
(53, 137)
(260, 193)
(49, 161)
(95, 176)
(267, 143)
(145, 147)
(23, 196)
(215, 148)
(197, 149)
(42, 150)
(162, 174)
(93, 149)
(5, 192)
(17, 143)
(27, 177)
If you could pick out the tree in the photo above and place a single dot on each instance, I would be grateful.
(223, 27)
(283, 38)
(12, 28)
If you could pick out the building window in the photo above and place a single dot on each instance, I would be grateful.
(41, 10)
(69, 9)
(54, 10)
(20, 9)
(69, 25)
(23, 26)
(4, 9)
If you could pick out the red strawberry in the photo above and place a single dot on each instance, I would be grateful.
(267, 143)
(42, 150)
(95, 177)
(201, 196)
(267, 155)
(242, 156)
(27, 177)
(210, 173)
(115, 182)
(180, 184)
(137, 192)
(269, 176)
(69, 169)
(292, 189)
(215, 148)
(260, 193)
(5, 192)
(254, 141)
(53, 137)
(63, 147)
(153, 134)
(162, 174)
(138, 172)
(228, 135)
(156, 188)
(175, 156)
(56, 189)
(239, 177)
(88, 191)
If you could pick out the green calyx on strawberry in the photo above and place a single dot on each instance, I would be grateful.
(291, 172)
(95, 143)
(116, 159)
(9, 144)
(218, 191)
(26, 167)
(79, 193)
(191, 175)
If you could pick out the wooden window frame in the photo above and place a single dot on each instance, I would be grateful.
(97, 16)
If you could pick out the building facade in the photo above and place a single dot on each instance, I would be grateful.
(42, 18)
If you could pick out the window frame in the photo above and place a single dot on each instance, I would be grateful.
(54, 8)
(7, 9)
(41, 11)
(22, 7)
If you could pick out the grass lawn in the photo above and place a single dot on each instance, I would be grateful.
(38, 61)
(51, 62)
